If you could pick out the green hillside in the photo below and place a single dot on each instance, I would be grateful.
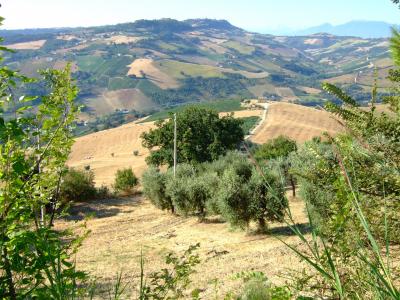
(173, 62)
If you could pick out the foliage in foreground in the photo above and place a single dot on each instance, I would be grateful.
(351, 185)
(34, 146)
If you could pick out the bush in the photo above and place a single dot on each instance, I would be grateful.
(279, 147)
(136, 152)
(153, 182)
(125, 181)
(177, 189)
(233, 198)
(78, 186)
(268, 201)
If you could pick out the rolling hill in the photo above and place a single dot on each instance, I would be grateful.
(129, 70)
(109, 150)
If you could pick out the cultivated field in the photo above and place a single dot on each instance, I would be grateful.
(109, 150)
(295, 121)
(34, 45)
(146, 67)
(129, 99)
(122, 228)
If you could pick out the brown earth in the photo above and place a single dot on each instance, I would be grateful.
(295, 121)
(123, 228)
(33, 45)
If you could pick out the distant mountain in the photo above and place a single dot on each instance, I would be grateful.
(364, 29)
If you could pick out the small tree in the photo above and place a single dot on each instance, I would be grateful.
(268, 200)
(177, 188)
(234, 198)
(153, 182)
(125, 181)
(280, 150)
(77, 186)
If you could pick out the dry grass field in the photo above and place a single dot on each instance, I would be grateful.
(109, 101)
(146, 66)
(122, 228)
(109, 150)
(33, 45)
(295, 121)
(122, 39)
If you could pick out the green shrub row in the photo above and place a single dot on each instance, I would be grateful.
(230, 186)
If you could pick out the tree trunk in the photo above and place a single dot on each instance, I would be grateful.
(293, 186)
(261, 224)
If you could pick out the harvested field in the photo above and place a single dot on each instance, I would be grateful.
(295, 121)
(109, 150)
(122, 228)
(123, 39)
(33, 45)
(129, 99)
(145, 67)
(309, 90)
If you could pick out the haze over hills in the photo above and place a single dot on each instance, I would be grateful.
(363, 29)
(136, 68)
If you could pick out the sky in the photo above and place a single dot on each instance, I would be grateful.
(255, 15)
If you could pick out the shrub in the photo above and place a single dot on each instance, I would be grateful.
(78, 186)
(153, 182)
(233, 198)
(201, 189)
(136, 152)
(279, 147)
(125, 181)
(268, 201)
(177, 188)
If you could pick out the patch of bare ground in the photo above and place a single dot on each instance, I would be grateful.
(144, 67)
(122, 228)
(109, 101)
(297, 122)
(109, 150)
(33, 45)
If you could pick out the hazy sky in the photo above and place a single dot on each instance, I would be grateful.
(257, 15)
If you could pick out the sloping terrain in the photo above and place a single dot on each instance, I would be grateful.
(122, 229)
(172, 62)
(109, 150)
(296, 122)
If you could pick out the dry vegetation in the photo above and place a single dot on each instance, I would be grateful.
(33, 45)
(295, 121)
(122, 228)
(120, 99)
(145, 66)
(109, 150)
